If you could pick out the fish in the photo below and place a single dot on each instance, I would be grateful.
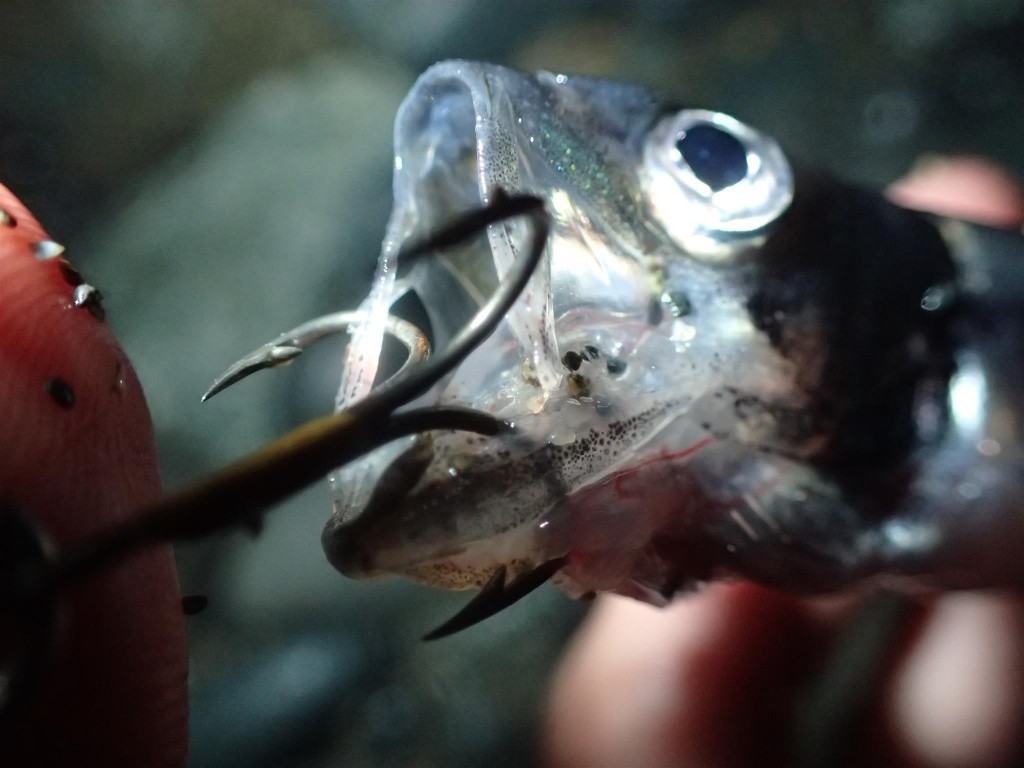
(725, 365)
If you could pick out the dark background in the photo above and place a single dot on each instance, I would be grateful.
(222, 171)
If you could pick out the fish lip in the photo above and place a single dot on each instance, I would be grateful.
(342, 545)
(345, 539)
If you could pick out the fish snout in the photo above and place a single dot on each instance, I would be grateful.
(351, 541)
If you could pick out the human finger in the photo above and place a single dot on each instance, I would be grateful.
(78, 456)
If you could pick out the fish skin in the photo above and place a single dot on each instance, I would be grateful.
(113, 691)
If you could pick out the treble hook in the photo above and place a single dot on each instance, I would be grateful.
(290, 344)
(244, 491)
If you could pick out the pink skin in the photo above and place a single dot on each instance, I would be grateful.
(114, 691)
(713, 679)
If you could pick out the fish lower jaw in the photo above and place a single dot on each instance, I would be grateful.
(455, 574)
(469, 565)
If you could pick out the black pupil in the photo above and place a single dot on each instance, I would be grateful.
(716, 157)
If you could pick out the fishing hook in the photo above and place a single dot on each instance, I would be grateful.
(31, 573)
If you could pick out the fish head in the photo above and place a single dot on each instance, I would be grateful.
(673, 315)
(608, 342)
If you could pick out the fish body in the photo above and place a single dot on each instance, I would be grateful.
(724, 366)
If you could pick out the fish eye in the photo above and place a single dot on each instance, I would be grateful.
(715, 156)
(714, 183)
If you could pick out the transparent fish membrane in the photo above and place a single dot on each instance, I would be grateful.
(465, 131)
(579, 365)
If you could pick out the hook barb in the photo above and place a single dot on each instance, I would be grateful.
(496, 596)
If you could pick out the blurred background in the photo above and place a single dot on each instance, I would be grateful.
(221, 170)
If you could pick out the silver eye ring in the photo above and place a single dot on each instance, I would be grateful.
(714, 183)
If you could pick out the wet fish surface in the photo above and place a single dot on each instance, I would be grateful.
(725, 366)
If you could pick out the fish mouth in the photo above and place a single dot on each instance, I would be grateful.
(466, 133)
(617, 342)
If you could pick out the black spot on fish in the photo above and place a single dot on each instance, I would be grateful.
(678, 304)
(577, 386)
(616, 366)
(572, 360)
(61, 392)
(655, 312)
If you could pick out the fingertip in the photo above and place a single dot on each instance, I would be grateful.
(970, 188)
(709, 680)
(616, 687)
(956, 700)
(79, 459)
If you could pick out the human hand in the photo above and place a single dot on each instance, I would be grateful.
(77, 456)
(717, 679)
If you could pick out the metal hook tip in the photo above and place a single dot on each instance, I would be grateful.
(496, 596)
(267, 356)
